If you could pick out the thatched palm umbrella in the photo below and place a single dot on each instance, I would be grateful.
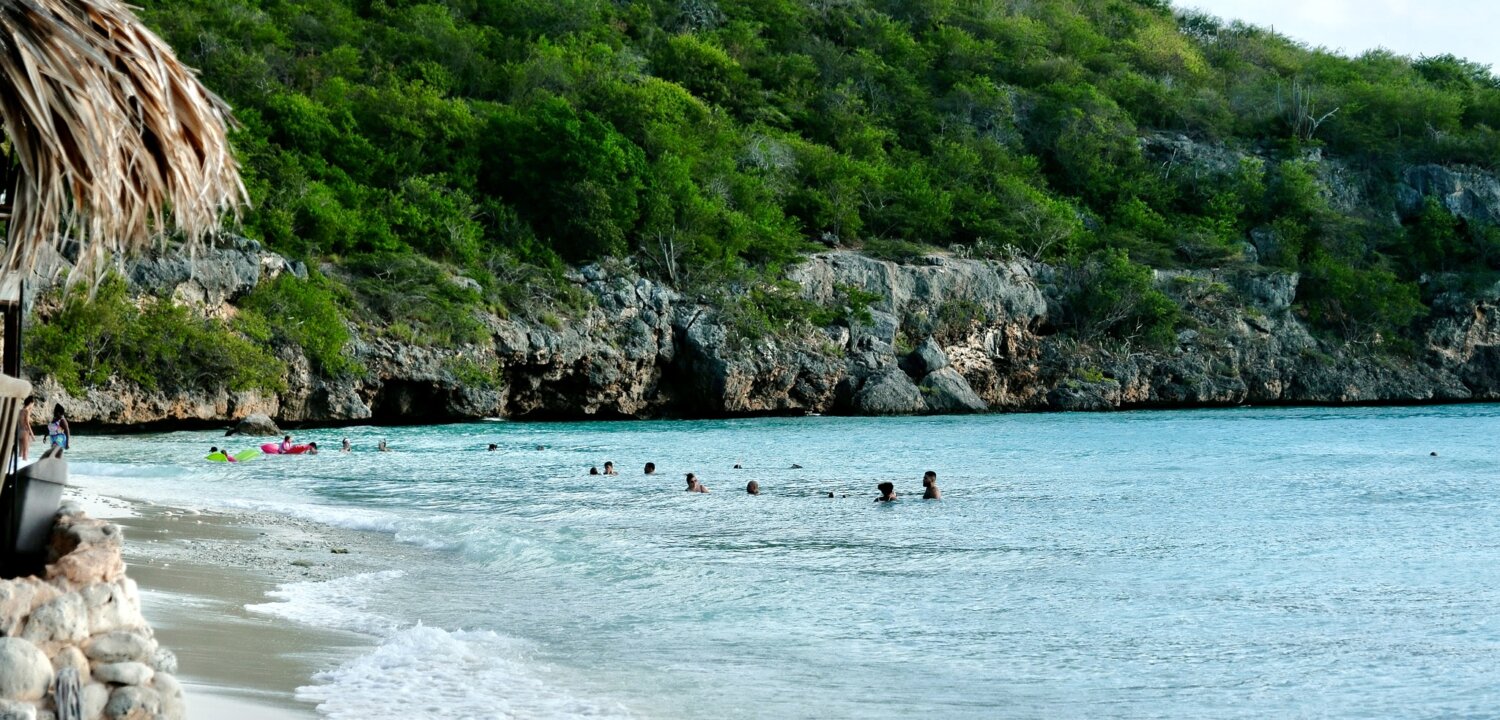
(111, 142)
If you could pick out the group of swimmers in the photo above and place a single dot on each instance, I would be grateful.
(930, 490)
(287, 447)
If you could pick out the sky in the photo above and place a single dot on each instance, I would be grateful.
(1465, 28)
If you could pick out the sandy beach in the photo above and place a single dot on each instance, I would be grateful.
(197, 573)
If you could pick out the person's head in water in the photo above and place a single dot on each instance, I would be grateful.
(830, 493)
(692, 480)
(752, 487)
(494, 447)
(928, 478)
(57, 412)
(609, 468)
(887, 492)
(650, 468)
(593, 471)
(312, 448)
(213, 450)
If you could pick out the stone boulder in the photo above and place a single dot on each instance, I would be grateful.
(255, 426)
(121, 646)
(132, 703)
(889, 394)
(25, 671)
(946, 391)
(927, 358)
(124, 673)
(12, 710)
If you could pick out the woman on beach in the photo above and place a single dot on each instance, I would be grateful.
(58, 433)
(24, 427)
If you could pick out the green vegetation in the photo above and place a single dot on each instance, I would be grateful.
(158, 345)
(302, 313)
(412, 142)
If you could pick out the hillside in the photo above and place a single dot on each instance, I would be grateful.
(440, 168)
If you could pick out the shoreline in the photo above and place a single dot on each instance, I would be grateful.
(164, 426)
(199, 571)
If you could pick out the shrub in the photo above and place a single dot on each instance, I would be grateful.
(157, 345)
(306, 314)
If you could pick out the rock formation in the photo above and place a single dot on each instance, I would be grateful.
(83, 616)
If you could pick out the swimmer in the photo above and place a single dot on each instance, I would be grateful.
(493, 447)
(929, 483)
(609, 468)
(382, 447)
(830, 493)
(541, 447)
(887, 492)
(795, 466)
(346, 447)
(593, 471)
(752, 488)
(738, 466)
(693, 485)
(312, 448)
(650, 468)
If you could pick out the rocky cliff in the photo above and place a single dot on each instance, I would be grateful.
(946, 335)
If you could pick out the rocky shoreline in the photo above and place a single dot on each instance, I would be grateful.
(950, 335)
(944, 334)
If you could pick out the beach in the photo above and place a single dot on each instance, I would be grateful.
(198, 573)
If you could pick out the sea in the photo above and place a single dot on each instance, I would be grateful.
(1286, 562)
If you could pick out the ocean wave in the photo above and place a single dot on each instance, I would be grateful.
(418, 670)
(423, 671)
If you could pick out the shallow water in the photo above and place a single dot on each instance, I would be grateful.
(1261, 562)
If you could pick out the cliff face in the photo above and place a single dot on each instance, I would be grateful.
(948, 335)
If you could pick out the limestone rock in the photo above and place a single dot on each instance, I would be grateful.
(113, 606)
(25, 672)
(256, 425)
(132, 703)
(164, 661)
(121, 646)
(927, 358)
(173, 704)
(71, 657)
(123, 673)
(18, 597)
(95, 697)
(13, 710)
(890, 394)
(946, 391)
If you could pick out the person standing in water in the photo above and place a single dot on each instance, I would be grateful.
(58, 432)
(752, 488)
(693, 485)
(650, 468)
(382, 447)
(346, 447)
(23, 429)
(930, 489)
(493, 447)
(609, 468)
(887, 492)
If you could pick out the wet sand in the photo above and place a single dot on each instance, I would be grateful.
(198, 571)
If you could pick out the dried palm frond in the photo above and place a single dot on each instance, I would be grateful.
(112, 141)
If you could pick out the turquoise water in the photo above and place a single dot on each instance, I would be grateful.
(1244, 563)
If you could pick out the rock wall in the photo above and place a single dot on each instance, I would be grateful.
(83, 615)
(946, 335)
